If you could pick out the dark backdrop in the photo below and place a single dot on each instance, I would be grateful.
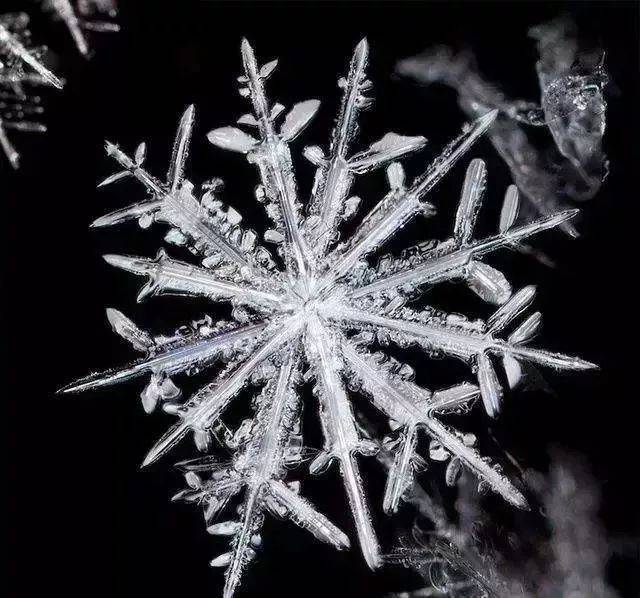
(83, 520)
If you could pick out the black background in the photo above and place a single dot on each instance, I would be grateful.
(83, 519)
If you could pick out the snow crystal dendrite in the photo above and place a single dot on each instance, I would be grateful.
(317, 311)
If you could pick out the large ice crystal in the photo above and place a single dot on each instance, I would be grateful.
(319, 312)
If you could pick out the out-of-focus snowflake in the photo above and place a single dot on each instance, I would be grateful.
(21, 69)
(572, 106)
(320, 308)
(458, 559)
(81, 18)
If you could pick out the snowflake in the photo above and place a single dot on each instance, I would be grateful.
(14, 45)
(18, 108)
(80, 19)
(318, 307)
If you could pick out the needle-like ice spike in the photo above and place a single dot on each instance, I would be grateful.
(170, 360)
(400, 475)
(170, 276)
(9, 43)
(181, 149)
(470, 202)
(65, 11)
(341, 435)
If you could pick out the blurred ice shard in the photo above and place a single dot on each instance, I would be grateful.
(22, 70)
(461, 558)
(572, 106)
(80, 18)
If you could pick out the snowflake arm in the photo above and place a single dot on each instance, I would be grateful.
(271, 154)
(474, 343)
(401, 204)
(168, 356)
(342, 439)
(19, 108)
(261, 467)
(407, 404)
(212, 231)
(77, 25)
(336, 172)
(172, 276)
(458, 257)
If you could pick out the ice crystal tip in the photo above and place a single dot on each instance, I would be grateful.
(361, 53)
(139, 266)
(77, 387)
(314, 314)
(102, 221)
(166, 443)
(576, 363)
(486, 120)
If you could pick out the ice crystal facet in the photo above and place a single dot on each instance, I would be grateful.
(318, 312)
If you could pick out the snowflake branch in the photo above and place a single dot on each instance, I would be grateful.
(459, 343)
(459, 255)
(302, 513)
(169, 276)
(388, 394)
(271, 154)
(447, 260)
(10, 44)
(260, 466)
(342, 440)
(263, 461)
(171, 357)
(473, 344)
(393, 212)
(336, 173)
(175, 204)
(7, 147)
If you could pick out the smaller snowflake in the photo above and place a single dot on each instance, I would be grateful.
(81, 19)
(20, 109)
(16, 51)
